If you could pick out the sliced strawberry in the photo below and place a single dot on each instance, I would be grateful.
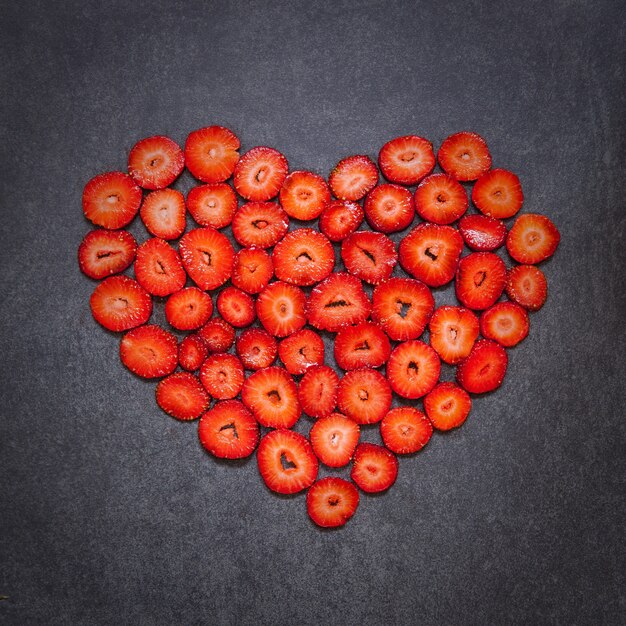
(182, 396)
(192, 352)
(303, 257)
(353, 178)
(236, 307)
(526, 285)
(480, 280)
(375, 468)
(532, 239)
(222, 376)
(453, 331)
(413, 369)
(304, 195)
(484, 369)
(119, 303)
(505, 322)
(334, 439)
(208, 257)
(256, 348)
(260, 224)
(211, 153)
(340, 218)
(447, 406)
(405, 430)
(465, 156)
(218, 335)
(402, 306)
(362, 345)
(406, 160)
(431, 253)
(498, 193)
(482, 233)
(286, 462)
(229, 430)
(111, 200)
(212, 205)
(149, 351)
(440, 199)
(332, 501)
(301, 350)
(389, 208)
(104, 252)
(364, 395)
(252, 270)
(155, 162)
(317, 391)
(260, 173)
(188, 308)
(369, 256)
(272, 396)
(280, 307)
(337, 301)
(158, 268)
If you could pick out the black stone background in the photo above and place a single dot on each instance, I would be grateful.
(110, 512)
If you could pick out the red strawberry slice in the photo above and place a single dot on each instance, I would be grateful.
(256, 348)
(465, 156)
(280, 308)
(480, 280)
(332, 501)
(212, 205)
(413, 369)
(222, 376)
(260, 224)
(119, 303)
(364, 395)
(484, 369)
(334, 439)
(218, 335)
(211, 153)
(526, 285)
(304, 195)
(260, 173)
(208, 257)
(286, 462)
(405, 430)
(301, 350)
(149, 351)
(229, 430)
(158, 268)
(105, 252)
(369, 256)
(389, 208)
(340, 218)
(252, 270)
(192, 352)
(155, 162)
(498, 193)
(532, 239)
(505, 322)
(362, 345)
(182, 396)
(236, 307)
(353, 177)
(482, 233)
(447, 406)
(453, 331)
(440, 199)
(111, 200)
(406, 160)
(375, 468)
(402, 306)
(188, 308)
(317, 391)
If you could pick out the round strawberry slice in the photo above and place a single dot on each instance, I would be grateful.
(286, 462)
(192, 352)
(482, 233)
(228, 430)
(260, 224)
(334, 439)
(453, 331)
(188, 308)
(149, 351)
(332, 501)
(317, 391)
(218, 335)
(208, 257)
(280, 308)
(212, 205)
(480, 280)
(505, 322)
(182, 396)
(158, 268)
(389, 208)
(375, 468)
(260, 174)
(111, 200)
(105, 252)
(256, 348)
(252, 270)
(532, 239)
(353, 178)
(155, 162)
(272, 396)
(303, 257)
(364, 395)
(498, 193)
(236, 307)
(526, 285)
(465, 156)
(413, 369)
(301, 350)
(340, 218)
(222, 376)
(484, 369)
(405, 430)
(440, 199)
(406, 160)
(362, 345)
(447, 406)
(211, 153)
(119, 303)
(304, 195)
(369, 256)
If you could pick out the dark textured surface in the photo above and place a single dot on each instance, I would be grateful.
(109, 510)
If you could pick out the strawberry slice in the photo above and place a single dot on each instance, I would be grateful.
(218, 335)
(334, 439)
(331, 502)
(236, 307)
(192, 352)
(447, 406)
(111, 200)
(389, 208)
(256, 348)
(182, 396)
(260, 173)
(440, 199)
(465, 156)
(301, 350)
(149, 351)
(364, 395)
(155, 162)
(119, 303)
(303, 257)
(532, 239)
(406, 160)
(453, 331)
(340, 218)
(317, 391)
(413, 369)
(228, 430)
(158, 268)
(526, 285)
(280, 308)
(405, 430)
(304, 195)
(104, 252)
(480, 280)
(286, 462)
(375, 468)
(369, 256)
(211, 153)
(482, 233)
(188, 308)
(252, 270)
(260, 224)
(222, 376)
(353, 178)
(484, 369)
(362, 345)
(498, 193)
(505, 322)
(212, 205)
(208, 257)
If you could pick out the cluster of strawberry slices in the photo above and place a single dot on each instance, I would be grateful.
(255, 314)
